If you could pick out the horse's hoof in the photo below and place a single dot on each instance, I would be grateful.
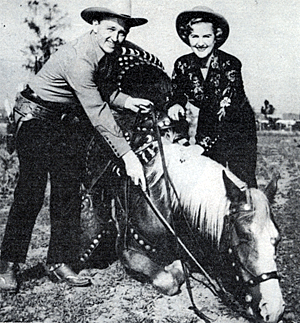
(170, 280)
(176, 270)
(166, 283)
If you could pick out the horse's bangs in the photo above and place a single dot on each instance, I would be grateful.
(260, 204)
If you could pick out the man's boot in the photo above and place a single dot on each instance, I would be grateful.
(63, 273)
(8, 279)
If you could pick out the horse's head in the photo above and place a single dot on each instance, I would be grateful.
(252, 248)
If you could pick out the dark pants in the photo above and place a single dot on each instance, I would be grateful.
(240, 158)
(55, 150)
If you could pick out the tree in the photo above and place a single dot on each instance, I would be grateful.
(267, 108)
(45, 19)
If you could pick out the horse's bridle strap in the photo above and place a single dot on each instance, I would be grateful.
(262, 278)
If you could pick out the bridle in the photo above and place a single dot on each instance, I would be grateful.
(231, 252)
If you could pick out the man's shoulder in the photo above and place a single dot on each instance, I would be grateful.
(81, 42)
(83, 48)
(76, 45)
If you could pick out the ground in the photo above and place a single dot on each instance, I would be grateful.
(116, 297)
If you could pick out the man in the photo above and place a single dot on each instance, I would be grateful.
(48, 143)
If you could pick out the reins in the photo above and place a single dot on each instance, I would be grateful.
(217, 290)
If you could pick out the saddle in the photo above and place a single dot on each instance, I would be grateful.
(139, 74)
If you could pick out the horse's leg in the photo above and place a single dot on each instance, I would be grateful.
(166, 279)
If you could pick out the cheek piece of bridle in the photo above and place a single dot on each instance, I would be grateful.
(234, 259)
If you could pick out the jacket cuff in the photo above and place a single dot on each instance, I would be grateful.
(181, 101)
(118, 145)
(119, 100)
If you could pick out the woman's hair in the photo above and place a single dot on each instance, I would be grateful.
(187, 29)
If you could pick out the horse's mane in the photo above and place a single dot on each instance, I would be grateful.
(198, 181)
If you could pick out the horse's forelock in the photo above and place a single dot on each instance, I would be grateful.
(260, 203)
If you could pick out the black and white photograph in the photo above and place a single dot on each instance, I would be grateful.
(149, 161)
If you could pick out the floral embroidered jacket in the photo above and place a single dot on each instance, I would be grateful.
(226, 123)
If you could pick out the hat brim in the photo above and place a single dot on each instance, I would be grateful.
(98, 13)
(186, 16)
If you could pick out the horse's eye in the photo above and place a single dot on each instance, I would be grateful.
(243, 234)
(245, 239)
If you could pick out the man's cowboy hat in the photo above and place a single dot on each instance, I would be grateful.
(202, 12)
(118, 8)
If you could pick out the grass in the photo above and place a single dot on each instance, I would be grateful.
(280, 153)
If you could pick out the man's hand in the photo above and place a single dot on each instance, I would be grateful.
(134, 169)
(137, 104)
(175, 111)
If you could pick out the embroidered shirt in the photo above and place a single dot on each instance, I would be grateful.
(223, 105)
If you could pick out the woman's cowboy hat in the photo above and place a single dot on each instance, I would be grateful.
(118, 8)
(202, 12)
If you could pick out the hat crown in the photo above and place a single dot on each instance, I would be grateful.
(121, 7)
(112, 8)
(203, 9)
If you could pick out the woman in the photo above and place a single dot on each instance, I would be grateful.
(211, 80)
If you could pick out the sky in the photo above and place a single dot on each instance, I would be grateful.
(264, 35)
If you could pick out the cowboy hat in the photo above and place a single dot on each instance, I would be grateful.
(206, 13)
(118, 8)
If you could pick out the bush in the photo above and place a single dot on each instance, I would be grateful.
(9, 171)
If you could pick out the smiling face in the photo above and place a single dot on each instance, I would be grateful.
(202, 39)
(109, 33)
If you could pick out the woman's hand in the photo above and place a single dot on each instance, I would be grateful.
(175, 111)
(137, 104)
(134, 169)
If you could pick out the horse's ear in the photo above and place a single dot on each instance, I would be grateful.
(271, 188)
(233, 192)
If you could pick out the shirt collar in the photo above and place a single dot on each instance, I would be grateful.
(98, 50)
(207, 65)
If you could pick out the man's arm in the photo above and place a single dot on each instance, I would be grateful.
(100, 115)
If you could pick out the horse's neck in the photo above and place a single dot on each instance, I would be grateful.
(199, 186)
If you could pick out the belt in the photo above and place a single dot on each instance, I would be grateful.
(26, 109)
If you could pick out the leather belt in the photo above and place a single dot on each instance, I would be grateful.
(27, 109)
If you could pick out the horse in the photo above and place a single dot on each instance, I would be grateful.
(207, 207)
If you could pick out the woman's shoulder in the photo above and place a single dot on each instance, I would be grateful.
(228, 59)
(185, 58)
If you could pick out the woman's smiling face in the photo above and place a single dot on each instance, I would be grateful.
(202, 39)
